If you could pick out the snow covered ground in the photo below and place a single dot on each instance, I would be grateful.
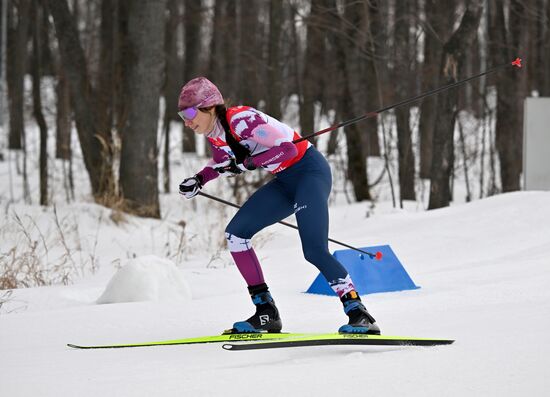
(483, 268)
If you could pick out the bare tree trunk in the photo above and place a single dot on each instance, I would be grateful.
(3, 53)
(545, 49)
(402, 79)
(372, 82)
(251, 53)
(193, 19)
(171, 86)
(224, 48)
(216, 64)
(93, 141)
(379, 33)
(26, 188)
(107, 76)
(439, 22)
(314, 72)
(464, 160)
(335, 78)
(492, 188)
(120, 107)
(63, 117)
(506, 42)
(273, 105)
(48, 61)
(166, 180)
(451, 67)
(349, 64)
(216, 60)
(18, 34)
(37, 102)
(143, 82)
(232, 48)
(63, 123)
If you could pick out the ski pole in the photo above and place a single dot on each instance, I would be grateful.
(377, 256)
(516, 63)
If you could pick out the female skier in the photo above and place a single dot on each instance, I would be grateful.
(244, 139)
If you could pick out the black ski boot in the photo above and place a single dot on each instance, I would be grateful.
(266, 318)
(360, 321)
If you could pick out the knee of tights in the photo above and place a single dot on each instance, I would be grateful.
(238, 229)
(315, 254)
(236, 243)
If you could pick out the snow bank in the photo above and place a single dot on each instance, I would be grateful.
(146, 278)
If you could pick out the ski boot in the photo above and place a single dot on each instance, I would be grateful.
(360, 321)
(266, 318)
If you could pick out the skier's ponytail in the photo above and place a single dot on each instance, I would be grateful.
(239, 151)
(221, 113)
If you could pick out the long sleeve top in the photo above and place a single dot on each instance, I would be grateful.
(268, 140)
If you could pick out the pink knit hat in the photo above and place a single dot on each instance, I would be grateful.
(199, 92)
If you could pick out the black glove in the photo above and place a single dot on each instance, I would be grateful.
(230, 167)
(190, 187)
(248, 162)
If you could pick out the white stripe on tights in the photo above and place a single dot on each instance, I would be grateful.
(237, 244)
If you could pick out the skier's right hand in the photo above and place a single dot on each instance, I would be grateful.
(190, 187)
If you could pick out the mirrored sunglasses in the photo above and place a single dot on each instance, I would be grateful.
(188, 114)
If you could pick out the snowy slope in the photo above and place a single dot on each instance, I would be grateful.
(484, 269)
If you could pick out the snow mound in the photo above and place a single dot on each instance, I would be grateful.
(146, 278)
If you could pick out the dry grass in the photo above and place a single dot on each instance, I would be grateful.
(5, 297)
(34, 258)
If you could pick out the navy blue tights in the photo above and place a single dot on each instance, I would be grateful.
(302, 189)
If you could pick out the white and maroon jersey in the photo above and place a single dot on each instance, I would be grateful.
(259, 133)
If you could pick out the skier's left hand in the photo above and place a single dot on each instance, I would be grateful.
(248, 163)
(230, 168)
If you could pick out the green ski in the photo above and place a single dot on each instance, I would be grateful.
(201, 339)
(339, 339)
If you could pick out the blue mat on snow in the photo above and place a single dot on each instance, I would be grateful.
(369, 275)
